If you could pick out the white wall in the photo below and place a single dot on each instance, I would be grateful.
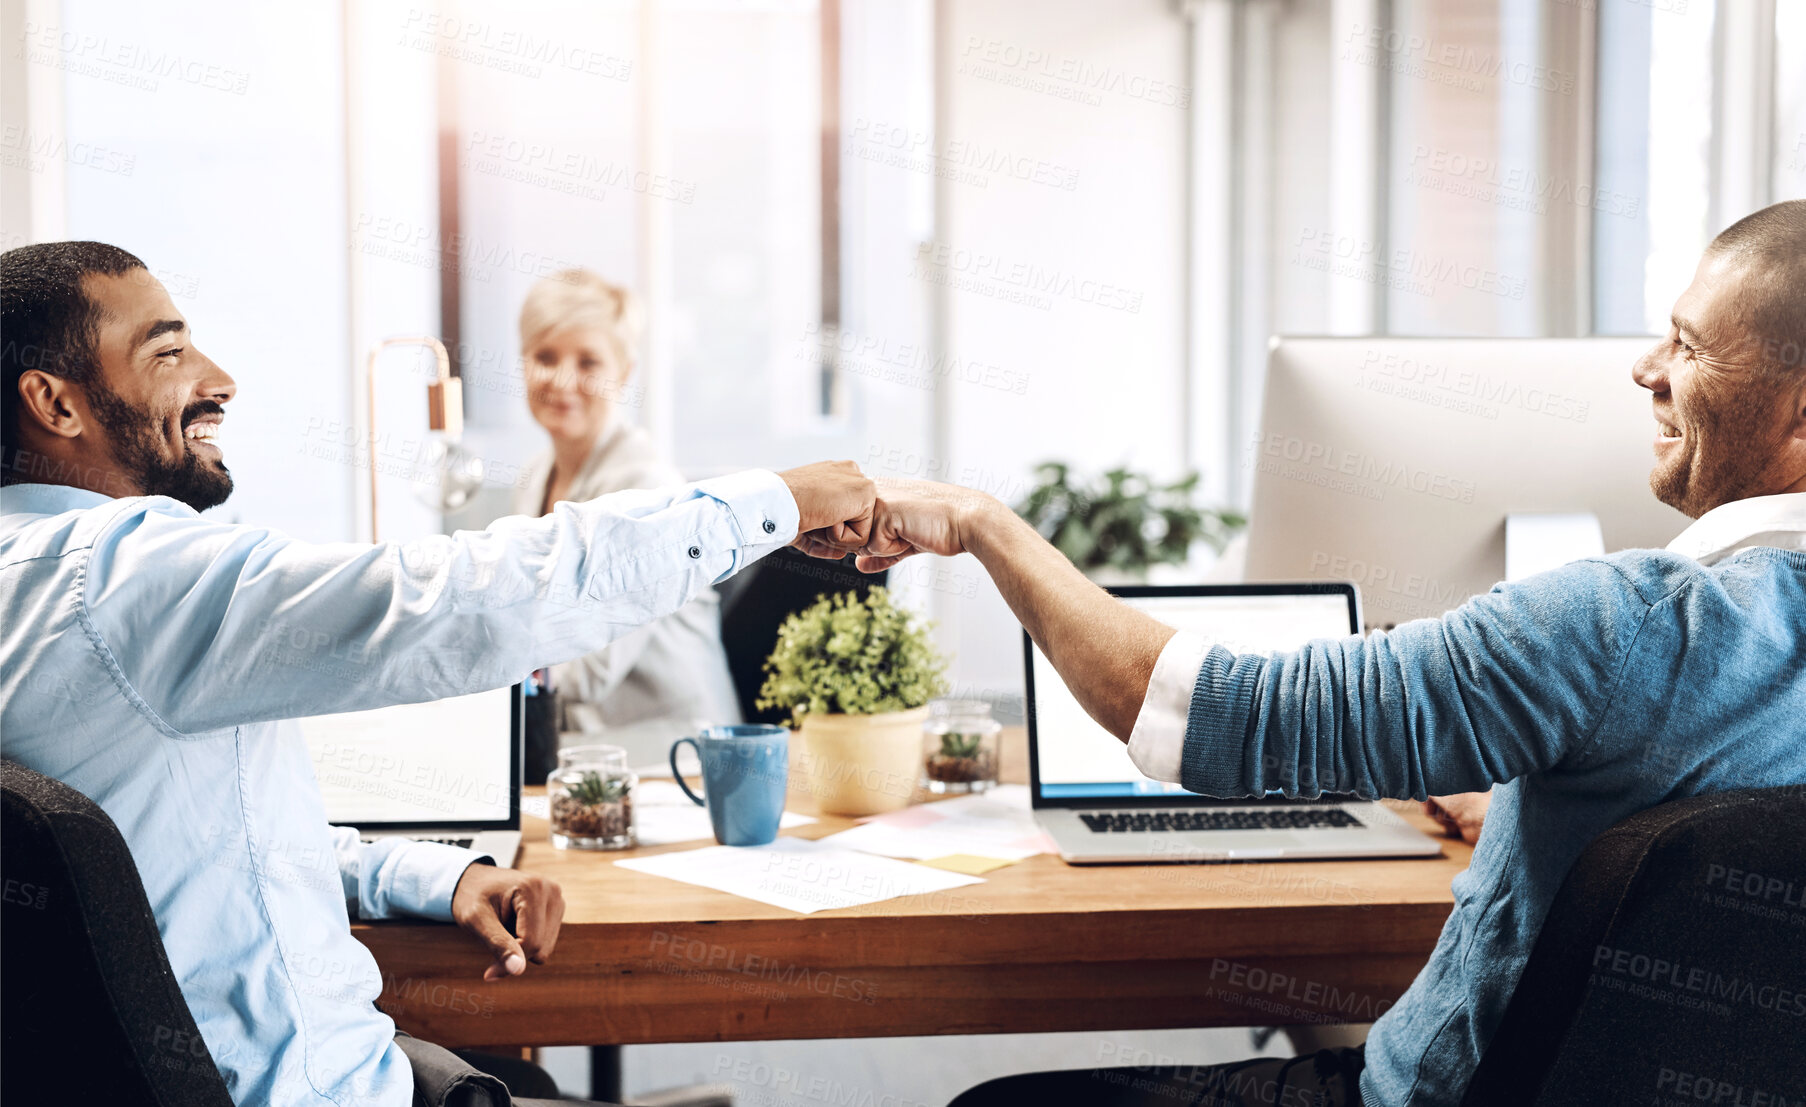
(1102, 347)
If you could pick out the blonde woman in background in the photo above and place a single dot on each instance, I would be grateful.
(578, 334)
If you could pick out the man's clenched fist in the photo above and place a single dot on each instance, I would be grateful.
(921, 517)
(834, 503)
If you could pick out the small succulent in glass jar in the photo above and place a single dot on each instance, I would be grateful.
(591, 794)
(592, 789)
(962, 747)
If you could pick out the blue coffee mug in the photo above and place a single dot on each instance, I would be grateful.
(745, 773)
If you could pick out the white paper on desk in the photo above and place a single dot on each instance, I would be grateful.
(1013, 796)
(922, 845)
(799, 875)
(980, 825)
(663, 815)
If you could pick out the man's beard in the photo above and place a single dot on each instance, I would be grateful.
(137, 451)
(1729, 440)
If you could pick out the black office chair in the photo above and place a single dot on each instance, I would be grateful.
(91, 1010)
(1711, 886)
(755, 603)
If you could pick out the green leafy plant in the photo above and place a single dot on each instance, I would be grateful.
(955, 744)
(852, 656)
(1125, 521)
(594, 788)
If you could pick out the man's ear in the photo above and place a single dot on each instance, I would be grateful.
(45, 400)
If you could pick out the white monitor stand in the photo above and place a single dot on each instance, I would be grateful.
(1536, 543)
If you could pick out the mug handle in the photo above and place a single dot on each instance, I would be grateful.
(679, 777)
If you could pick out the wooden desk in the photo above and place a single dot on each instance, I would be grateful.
(1040, 946)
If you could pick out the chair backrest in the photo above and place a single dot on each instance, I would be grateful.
(1671, 966)
(91, 1010)
(755, 603)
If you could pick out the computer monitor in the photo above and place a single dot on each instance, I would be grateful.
(1073, 759)
(1395, 462)
(451, 764)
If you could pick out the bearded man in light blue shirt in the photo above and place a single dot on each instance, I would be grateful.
(1586, 694)
(148, 659)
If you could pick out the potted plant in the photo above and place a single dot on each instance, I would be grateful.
(590, 797)
(1116, 528)
(961, 747)
(856, 675)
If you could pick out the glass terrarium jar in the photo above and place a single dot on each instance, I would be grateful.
(590, 797)
(959, 747)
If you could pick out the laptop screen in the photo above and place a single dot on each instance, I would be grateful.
(448, 762)
(1076, 759)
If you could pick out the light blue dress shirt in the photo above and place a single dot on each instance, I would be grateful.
(153, 659)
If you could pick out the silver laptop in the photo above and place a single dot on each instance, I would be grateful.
(1099, 807)
(445, 771)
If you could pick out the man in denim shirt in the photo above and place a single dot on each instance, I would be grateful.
(1585, 694)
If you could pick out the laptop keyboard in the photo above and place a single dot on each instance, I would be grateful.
(461, 843)
(1266, 818)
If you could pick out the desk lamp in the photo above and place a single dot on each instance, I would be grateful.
(456, 473)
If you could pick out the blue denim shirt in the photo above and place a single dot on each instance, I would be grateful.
(151, 659)
(1588, 693)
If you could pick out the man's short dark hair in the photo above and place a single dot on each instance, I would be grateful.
(46, 319)
(1773, 243)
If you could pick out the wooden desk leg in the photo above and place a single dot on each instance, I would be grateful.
(605, 1073)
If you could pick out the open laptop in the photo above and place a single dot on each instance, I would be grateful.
(1099, 807)
(444, 771)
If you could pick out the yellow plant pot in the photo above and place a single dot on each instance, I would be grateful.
(862, 764)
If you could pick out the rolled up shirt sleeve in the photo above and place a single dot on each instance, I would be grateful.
(206, 625)
(1157, 744)
(395, 877)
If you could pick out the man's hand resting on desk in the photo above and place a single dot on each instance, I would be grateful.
(1461, 816)
(489, 901)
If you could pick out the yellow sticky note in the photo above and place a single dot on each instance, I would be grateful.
(968, 863)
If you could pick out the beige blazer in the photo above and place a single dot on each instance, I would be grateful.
(673, 667)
